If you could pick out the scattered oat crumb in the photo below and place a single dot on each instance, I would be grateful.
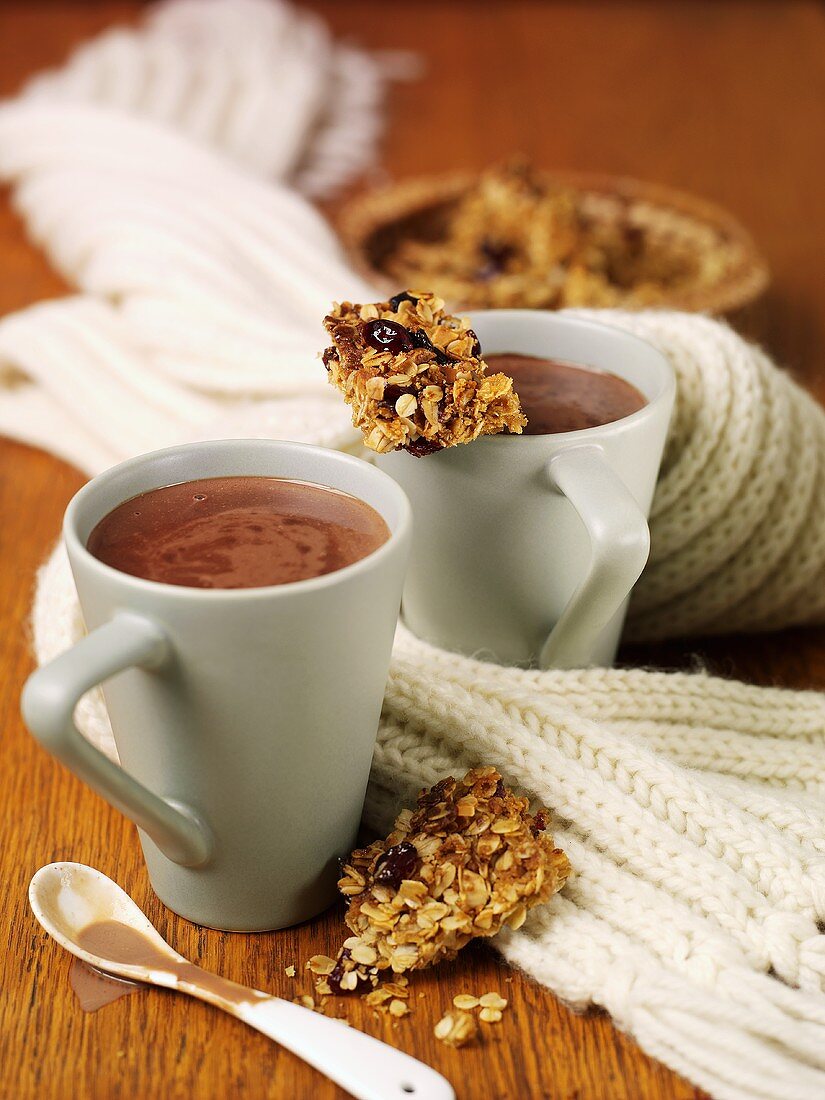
(465, 1001)
(321, 964)
(490, 1015)
(456, 1028)
(307, 1002)
(377, 997)
(398, 1008)
(289, 971)
(395, 990)
(492, 1000)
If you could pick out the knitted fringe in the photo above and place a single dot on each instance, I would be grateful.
(260, 80)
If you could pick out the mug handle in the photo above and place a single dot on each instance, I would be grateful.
(619, 547)
(49, 699)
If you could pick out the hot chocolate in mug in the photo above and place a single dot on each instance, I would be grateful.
(525, 548)
(244, 718)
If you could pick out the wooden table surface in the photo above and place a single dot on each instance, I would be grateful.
(724, 98)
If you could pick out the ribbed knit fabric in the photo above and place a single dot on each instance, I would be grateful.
(691, 807)
(260, 80)
(738, 520)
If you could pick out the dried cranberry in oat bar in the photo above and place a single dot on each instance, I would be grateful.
(481, 860)
(414, 377)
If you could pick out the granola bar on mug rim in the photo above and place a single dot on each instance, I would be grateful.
(414, 377)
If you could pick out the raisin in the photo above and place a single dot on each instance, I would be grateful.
(420, 447)
(398, 863)
(476, 344)
(387, 336)
(495, 256)
(328, 356)
(334, 978)
(496, 252)
(397, 299)
(634, 238)
(539, 823)
(392, 393)
(420, 339)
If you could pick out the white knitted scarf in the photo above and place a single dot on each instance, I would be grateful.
(690, 806)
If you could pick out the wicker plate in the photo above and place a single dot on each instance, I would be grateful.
(372, 225)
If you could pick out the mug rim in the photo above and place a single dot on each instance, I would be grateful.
(564, 319)
(76, 546)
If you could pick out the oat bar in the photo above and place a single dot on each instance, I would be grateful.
(414, 377)
(470, 859)
(519, 238)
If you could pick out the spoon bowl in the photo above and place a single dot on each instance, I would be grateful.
(91, 917)
(67, 898)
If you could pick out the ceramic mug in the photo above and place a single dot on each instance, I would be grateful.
(525, 548)
(245, 719)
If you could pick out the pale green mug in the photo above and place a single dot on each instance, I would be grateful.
(245, 719)
(525, 548)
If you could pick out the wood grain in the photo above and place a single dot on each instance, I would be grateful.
(724, 98)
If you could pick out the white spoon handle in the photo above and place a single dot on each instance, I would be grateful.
(365, 1067)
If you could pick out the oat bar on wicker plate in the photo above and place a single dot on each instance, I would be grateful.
(470, 859)
(414, 377)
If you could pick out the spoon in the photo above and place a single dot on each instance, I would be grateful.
(95, 920)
